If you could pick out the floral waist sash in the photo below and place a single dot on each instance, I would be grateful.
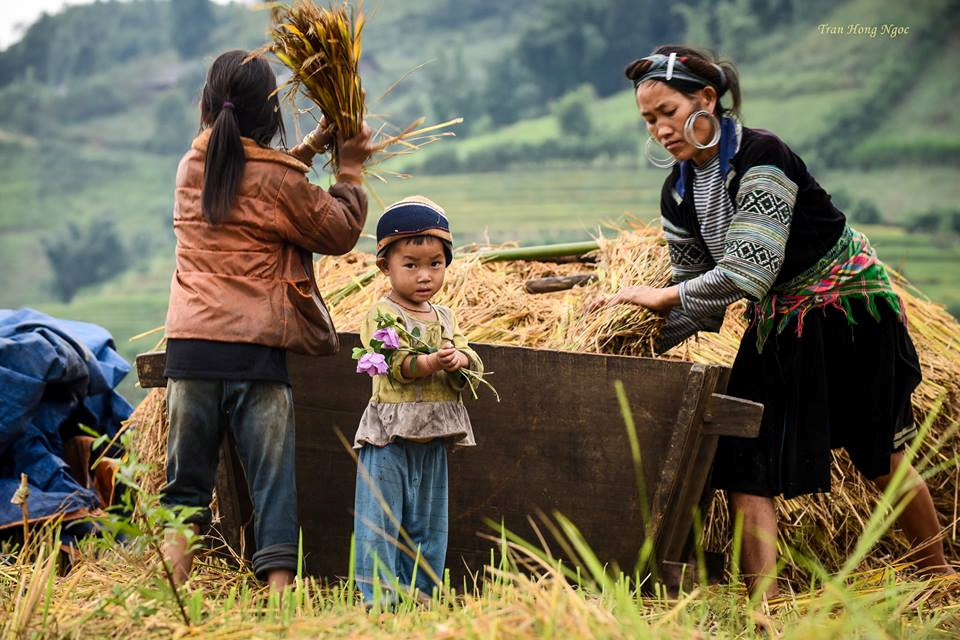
(850, 269)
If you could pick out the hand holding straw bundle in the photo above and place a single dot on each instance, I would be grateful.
(351, 154)
(322, 47)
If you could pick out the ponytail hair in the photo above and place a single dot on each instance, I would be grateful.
(239, 100)
(719, 73)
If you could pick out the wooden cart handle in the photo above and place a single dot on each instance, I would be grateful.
(729, 416)
(150, 367)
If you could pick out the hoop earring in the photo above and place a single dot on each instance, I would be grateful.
(688, 129)
(659, 163)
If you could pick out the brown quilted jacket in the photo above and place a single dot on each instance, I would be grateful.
(250, 278)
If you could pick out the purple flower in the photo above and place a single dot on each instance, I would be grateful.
(388, 337)
(373, 364)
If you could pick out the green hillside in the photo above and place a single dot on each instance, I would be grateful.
(809, 86)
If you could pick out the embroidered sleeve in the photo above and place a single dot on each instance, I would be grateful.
(680, 326)
(688, 256)
(754, 248)
(757, 238)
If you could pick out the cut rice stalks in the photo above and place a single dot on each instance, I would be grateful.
(322, 49)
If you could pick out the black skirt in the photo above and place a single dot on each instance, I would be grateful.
(837, 385)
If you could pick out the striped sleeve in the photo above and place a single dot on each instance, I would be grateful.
(688, 260)
(708, 296)
(754, 248)
(680, 326)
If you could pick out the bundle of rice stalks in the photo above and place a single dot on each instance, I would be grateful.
(322, 48)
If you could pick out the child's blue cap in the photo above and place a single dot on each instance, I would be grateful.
(414, 216)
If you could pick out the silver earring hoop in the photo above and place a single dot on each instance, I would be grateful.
(688, 129)
(658, 162)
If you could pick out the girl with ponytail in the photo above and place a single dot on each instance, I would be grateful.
(247, 221)
(827, 352)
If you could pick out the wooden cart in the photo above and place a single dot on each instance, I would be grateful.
(556, 442)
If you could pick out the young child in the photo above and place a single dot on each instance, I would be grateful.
(415, 410)
(246, 219)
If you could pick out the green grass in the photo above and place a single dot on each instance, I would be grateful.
(76, 185)
(119, 589)
(925, 117)
(131, 129)
(797, 81)
(899, 192)
(532, 205)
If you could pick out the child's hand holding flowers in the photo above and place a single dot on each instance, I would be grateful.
(385, 343)
(375, 361)
(452, 360)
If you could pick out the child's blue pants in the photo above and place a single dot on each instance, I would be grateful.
(411, 478)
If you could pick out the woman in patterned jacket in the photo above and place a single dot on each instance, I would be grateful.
(827, 351)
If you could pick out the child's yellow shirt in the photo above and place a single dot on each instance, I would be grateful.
(418, 409)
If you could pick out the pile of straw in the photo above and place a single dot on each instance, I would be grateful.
(493, 306)
(149, 420)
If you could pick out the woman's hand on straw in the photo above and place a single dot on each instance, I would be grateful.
(353, 153)
(656, 299)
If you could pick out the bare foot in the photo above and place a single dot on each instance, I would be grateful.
(279, 579)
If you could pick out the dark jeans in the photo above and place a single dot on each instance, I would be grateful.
(259, 416)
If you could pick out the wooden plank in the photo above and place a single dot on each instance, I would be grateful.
(234, 506)
(150, 369)
(729, 416)
(705, 455)
(558, 283)
(686, 466)
(555, 443)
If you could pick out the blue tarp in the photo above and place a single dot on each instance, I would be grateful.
(53, 374)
